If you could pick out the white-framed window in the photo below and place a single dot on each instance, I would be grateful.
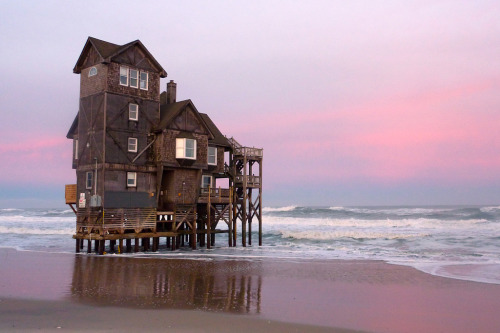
(206, 181)
(75, 149)
(88, 180)
(133, 112)
(144, 81)
(132, 145)
(212, 156)
(93, 71)
(131, 179)
(123, 76)
(134, 78)
(185, 148)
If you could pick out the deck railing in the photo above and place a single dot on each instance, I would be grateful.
(250, 180)
(215, 192)
(248, 151)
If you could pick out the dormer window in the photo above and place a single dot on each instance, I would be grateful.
(132, 145)
(123, 76)
(133, 112)
(212, 156)
(134, 78)
(185, 148)
(93, 71)
(144, 81)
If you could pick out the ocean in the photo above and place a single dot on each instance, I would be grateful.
(461, 242)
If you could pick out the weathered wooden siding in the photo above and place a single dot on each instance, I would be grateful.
(165, 149)
(153, 92)
(93, 84)
(120, 128)
(90, 129)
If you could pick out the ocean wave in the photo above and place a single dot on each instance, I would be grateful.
(400, 211)
(490, 209)
(271, 221)
(36, 219)
(35, 231)
(279, 209)
(332, 235)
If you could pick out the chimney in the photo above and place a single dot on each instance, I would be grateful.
(171, 92)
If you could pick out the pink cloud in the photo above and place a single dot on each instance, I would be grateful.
(446, 134)
(44, 159)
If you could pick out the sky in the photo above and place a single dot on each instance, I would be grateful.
(354, 102)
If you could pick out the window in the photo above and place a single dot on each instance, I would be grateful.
(185, 148)
(133, 112)
(131, 179)
(124, 76)
(144, 81)
(88, 180)
(132, 145)
(206, 181)
(75, 149)
(212, 155)
(134, 78)
(93, 71)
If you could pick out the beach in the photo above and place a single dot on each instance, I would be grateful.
(62, 291)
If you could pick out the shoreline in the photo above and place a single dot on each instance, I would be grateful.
(302, 295)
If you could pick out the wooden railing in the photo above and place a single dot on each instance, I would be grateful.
(239, 150)
(116, 220)
(216, 194)
(250, 180)
(248, 151)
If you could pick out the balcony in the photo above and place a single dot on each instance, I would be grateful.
(251, 181)
(216, 195)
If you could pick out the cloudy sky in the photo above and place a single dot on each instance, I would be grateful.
(355, 102)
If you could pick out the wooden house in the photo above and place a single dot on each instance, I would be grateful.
(147, 165)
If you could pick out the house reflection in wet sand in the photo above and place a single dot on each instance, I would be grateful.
(227, 286)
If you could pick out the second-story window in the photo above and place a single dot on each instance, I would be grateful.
(133, 112)
(144, 81)
(134, 76)
(132, 145)
(212, 156)
(93, 71)
(185, 148)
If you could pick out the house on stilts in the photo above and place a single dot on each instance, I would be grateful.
(148, 167)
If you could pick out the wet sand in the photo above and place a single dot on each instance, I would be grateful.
(55, 292)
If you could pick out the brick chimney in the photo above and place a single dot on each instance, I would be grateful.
(171, 92)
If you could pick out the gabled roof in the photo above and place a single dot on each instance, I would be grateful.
(73, 129)
(107, 51)
(168, 112)
(219, 139)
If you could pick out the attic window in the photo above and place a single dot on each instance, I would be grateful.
(132, 145)
(123, 76)
(185, 148)
(133, 112)
(93, 71)
(212, 156)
